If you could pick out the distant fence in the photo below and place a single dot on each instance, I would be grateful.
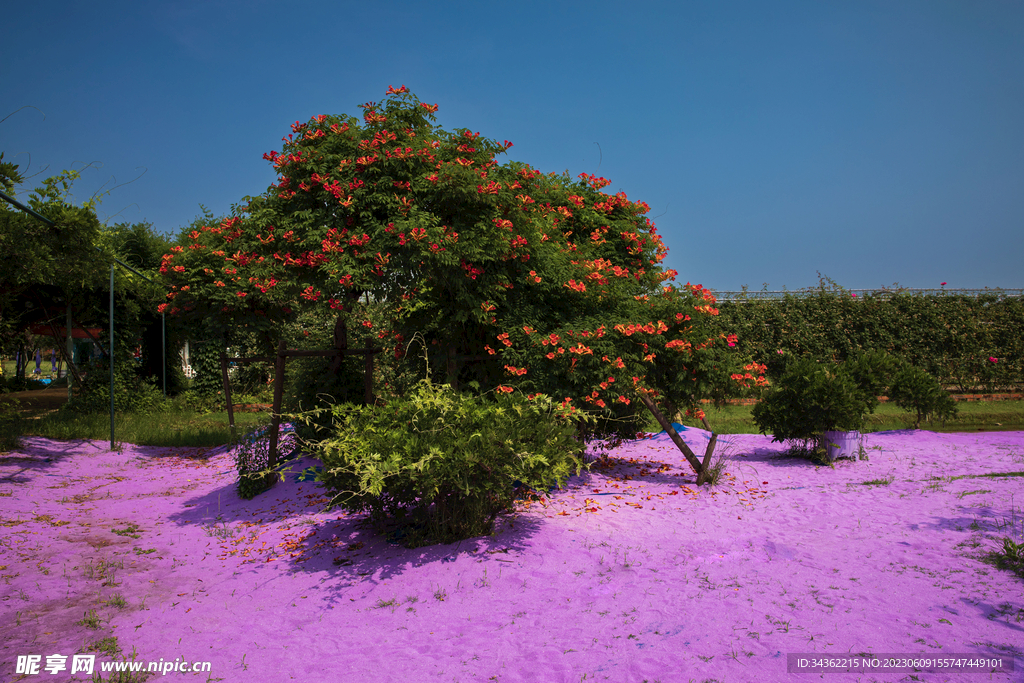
(884, 292)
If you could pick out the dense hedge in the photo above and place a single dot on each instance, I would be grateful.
(969, 342)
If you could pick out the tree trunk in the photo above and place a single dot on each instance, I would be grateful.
(674, 435)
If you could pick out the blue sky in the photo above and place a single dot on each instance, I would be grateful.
(875, 142)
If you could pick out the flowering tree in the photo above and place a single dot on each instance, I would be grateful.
(514, 278)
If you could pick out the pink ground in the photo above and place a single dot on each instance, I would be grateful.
(630, 574)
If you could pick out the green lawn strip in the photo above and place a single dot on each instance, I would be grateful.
(977, 476)
(44, 367)
(973, 414)
(171, 428)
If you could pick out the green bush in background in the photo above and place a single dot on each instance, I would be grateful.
(11, 383)
(968, 342)
(915, 390)
(131, 392)
(809, 399)
(204, 358)
(872, 372)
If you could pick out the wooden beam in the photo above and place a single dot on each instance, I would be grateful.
(253, 359)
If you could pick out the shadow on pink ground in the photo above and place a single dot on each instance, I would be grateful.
(630, 573)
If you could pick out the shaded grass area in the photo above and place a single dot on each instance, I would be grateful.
(972, 416)
(45, 369)
(173, 427)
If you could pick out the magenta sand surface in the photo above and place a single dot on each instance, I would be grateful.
(631, 573)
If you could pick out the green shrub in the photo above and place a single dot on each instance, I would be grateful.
(442, 465)
(252, 460)
(915, 390)
(951, 335)
(871, 371)
(809, 399)
(198, 403)
(177, 382)
(9, 384)
(310, 384)
(204, 356)
(131, 393)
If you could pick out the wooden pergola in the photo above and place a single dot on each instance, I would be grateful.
(339, 352)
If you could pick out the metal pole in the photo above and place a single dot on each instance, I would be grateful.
(71, 350)
(111, 357)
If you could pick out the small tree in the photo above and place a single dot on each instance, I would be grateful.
(809, 399)
(915, 390)
(512, 277)
(63, 262)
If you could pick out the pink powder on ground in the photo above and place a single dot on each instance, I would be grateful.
(630, 573)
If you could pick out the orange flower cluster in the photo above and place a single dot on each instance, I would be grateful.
(746, 378)
(594, 181)
(576, 286)
(649, 328)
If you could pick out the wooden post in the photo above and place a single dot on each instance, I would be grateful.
(227, 392)
(69, 354)
(674, 435)
(275, 423)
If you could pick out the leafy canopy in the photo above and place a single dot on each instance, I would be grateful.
(557, 286)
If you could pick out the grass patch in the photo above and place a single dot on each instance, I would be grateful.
(89, 620)
(382, 603)
(1011, 557)
(103, 570)
(174, 427)
(878, 482)
(117, 600)
(107, 646)
(11, 425)
(130, 531)
(988, 475)
(223, 531)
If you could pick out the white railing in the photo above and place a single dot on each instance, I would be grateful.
(751, 295)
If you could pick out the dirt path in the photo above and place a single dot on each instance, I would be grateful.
(41, 400)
